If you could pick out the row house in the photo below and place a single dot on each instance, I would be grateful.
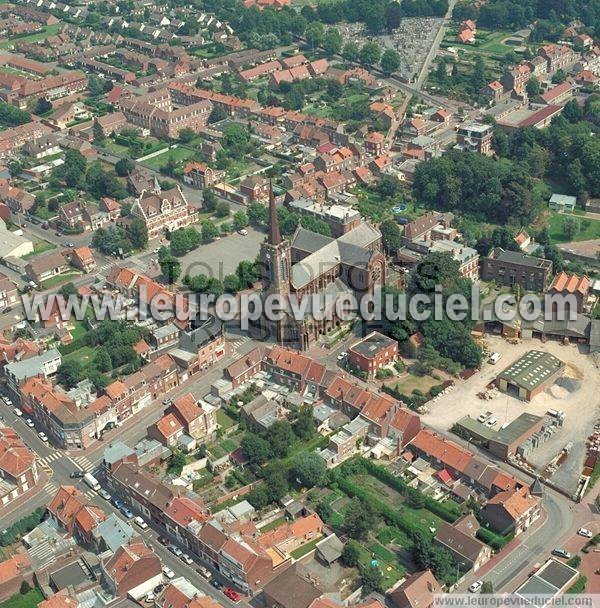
(200, 175)
(244, 368)
(558, 56)
(16, 199)
(15, 138)
(18, 467)
(516, 78)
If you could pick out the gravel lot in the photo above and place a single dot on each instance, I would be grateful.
(581, 403)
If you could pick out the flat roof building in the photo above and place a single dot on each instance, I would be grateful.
(550, 580)
(372, 353)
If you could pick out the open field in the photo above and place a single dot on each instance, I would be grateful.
(49, 30)
(589, 228)
(179, 154)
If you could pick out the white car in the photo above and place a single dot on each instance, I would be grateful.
(104, 494)
(491, 422)
(175, 550)
(342, 356)
(476, 586)
(29, 423)
(43, 436)
(585, 532)
(187, 559)
(17, 412)
(150, 597)
(140, 522)
(168, 572)
(243, 232)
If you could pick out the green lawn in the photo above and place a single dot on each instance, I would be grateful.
(224, 419)
(79, 330)
(29, 600)
(304, 549)
(590, 229)
(179, 154)
(83, 354)
(274, 524)
(411, 382)
(59, 279)
(40, 247)
(49, 30)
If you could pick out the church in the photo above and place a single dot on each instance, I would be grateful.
(311, 264)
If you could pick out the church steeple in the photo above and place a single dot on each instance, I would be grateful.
(274, 231)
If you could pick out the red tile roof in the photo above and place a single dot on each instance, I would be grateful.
(570, 283)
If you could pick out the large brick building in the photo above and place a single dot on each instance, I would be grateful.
(372, 353)
(18, 467)
(514, 268)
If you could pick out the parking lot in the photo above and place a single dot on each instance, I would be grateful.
(576, 393)
(221, 257)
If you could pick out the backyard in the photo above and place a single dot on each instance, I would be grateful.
(29, 600)
(588, 228)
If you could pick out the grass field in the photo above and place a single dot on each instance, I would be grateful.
(224, 419)
(304, 549)
(49, 30)
(411, 382)
(590, 229)
(179, 154)
(83, 354)
(29, 600)
(40, 247)
(59, 279)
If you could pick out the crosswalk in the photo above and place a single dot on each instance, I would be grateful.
(51, 488)
(82, 462)
(236, 341)
(46, 460)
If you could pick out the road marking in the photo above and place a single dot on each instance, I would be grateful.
(82, 463)
(46, 460)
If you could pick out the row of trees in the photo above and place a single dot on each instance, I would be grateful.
(245, 275)
(115, 240)
(258, 215)
(11, 116)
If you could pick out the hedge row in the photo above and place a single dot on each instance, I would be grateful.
(66, 349)
(22, 527)
(495, 541)
(448, 510)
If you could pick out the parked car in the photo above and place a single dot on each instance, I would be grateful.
(163, 540)
(476, 586)
(216, 584)
(243, 232)
(232, 594)
(17, 412)
(117, 502)
(43, 436)
(561, 553)
(140, 522)
(167, 401)
(29, 423)
(175, 550)
(76, 474)
(205, 572)
(585, 532)
(104, 494)
(491, 422)
(168, 572)
(150, 597)
(187, 559)
(127, 512)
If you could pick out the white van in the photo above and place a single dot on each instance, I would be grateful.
(91, 481)
(494, 358)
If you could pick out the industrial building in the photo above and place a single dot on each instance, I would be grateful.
(550, 580)
(530, 375)
(508, 439)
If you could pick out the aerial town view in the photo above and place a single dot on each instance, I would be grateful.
(299, 303)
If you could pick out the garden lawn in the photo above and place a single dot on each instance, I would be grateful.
(224, 419)
(304, 549)
(40, 247)
(274, 524)
(59, 279)
(590, 228)
(84, 354)
(30, 600)
(392, 571)
(49, 30)
(79, 329)
(411, 382)
(179, 154)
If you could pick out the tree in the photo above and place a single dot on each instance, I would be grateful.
(235, 139)
(393, 15)
(240, 220)
(277, 483)
(222, 209)
(315, 34)
(391, 235)
(372, 579)
(479, 76)
(25, 588)
(42, 106)
(533, 87)
(258, 497)
(370, 53)
(487, 587)
(70, 373)
(332, 42)
(68, 289)
(186, 135)
(281, 437)
(571, 226)
(178, 461)
(359, 519)
(217, 114)
(138, 233)
(209, 201)
(351, 52)
(231, 283)
(102, 360)
(98, 133)
(258, 214)
(324, 510)
(248, 272)
(304, 426)
(350, 554)
(309, 469)
(95, 85)
(171, 268)
(390, 61)
(559, 76)
(256, 448)
(124, 166)
(209, 231)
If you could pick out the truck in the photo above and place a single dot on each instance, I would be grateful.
(91, 481)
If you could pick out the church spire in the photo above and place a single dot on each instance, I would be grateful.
(274, 232)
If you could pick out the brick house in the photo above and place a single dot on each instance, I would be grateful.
(43, 267)
(18, 466)
(372, 353)
(255, 188)
(83, 258)
(200, 175)
(199, 419)
(131, 565)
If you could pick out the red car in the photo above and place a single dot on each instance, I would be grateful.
(232, 594)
